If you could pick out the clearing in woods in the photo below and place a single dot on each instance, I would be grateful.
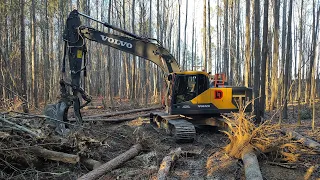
(103, 141)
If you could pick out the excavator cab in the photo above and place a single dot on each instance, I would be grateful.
(192, 95)
(188, 86)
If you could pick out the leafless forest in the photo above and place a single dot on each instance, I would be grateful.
(270, 45)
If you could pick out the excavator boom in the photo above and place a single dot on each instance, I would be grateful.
(143, 48)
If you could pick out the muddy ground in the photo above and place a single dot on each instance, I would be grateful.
(104, 141)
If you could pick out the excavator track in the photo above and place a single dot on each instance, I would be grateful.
(174, 125)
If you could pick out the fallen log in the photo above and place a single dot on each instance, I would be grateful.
(55, 155)
(304, 140)
(93, 107)
(119, 120)
(90, 163)
(166, 163)
(251, 165)
(110, 165)
(122, 112)
(22, 128)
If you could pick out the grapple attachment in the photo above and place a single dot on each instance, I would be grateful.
(57, 114)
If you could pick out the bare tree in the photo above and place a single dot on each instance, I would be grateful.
(23, 73)
(209, 38)
(204, 36)
(34, 65)
(274, 87)
(256, 87)
(264, 56)
(185, 38)
(288, 60)
(226, 32)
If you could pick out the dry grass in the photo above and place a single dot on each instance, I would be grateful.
(246, 136)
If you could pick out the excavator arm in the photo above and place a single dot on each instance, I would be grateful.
(75, 36)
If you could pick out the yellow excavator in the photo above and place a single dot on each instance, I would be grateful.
(190, 98)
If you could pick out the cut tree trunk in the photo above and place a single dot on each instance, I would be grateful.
(123, 112)
(119, 120)
(167, 162)
(304, 140)
(110, 165)
(54, 155)
(251, 166)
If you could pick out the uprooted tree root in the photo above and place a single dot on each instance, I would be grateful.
(245, 136)
(248, 139)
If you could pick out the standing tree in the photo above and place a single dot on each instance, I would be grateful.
(288, 60)
(264, 56)
(225, 46)
(274, 86)
(209, 37)
(23, 72)
(315, 26)
(185, 38)
(256, 87)
(204, 37)
(34, 65)
(179, 30)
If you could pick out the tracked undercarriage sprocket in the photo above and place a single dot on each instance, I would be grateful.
(181, 129)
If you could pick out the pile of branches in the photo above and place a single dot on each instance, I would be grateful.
(27, 143)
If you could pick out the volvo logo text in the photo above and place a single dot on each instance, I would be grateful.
(116, 41)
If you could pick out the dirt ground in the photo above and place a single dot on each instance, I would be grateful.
(103, 141)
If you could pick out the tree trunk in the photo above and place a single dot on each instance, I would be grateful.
(274, 86)
(34, 67)
(315, 27)
(256, 87)
(110, 165)
(218, 64)
(185, 39)
(251, 166)
(225, 46)
(303, 140)
(204, 36)
(179, 31)
(264, 57)
(133, 90)
(54, 155)
(209, 41)
(23, 72)
(110, 94)
(167, 162)
(288, 60)
(283, 47)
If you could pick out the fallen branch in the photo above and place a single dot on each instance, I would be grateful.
(22, 128)
(110, 165)
(90, 163)
(166, 163)
(122, 112)
(304, 140)
(54, 155)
